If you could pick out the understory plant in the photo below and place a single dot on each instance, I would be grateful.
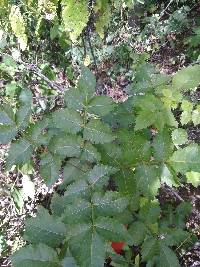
(108, 163)
(113, 158)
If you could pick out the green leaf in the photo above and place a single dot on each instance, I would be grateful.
(58, 204)
(186, 105)
(98, 132)
(18, 26)
(166, 176)
(149, 212)
(104, 9)
(162, 145)
(196, 115)
(147, 179)
(67, 120)
(86, 83)
(75, 17)
(19, 152)
(76, 212)
(24, 111)
(79, 229)
(69, 262)
(187, 78)
(35, 256)
(150, 248)
(179, 136)
(7, 124)
(18, 199)
(186, 159)
(181, 213)
(193, 178)
(11, 89)
(45, 228)
(134, 147)
(110, 153)
(74, 99)
(74, 170)
(77, 188)
(7, 133)
(36, 133)
(109, 204)
(8, 65)
(95, 255)
(153, 112)
(174, 236)
(186, 117)
(111, 229)
(98, 173)
(100, 105)
(126, 182)
(122, 115)
(91, 253)
(7, 116)
(50, 166)
(66, 145)
(137, 231)
(167, 257)
(90, 153)
(144, 119)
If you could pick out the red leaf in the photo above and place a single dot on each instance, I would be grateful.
(118, 246)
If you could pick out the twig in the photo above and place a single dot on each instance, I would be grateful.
(174, 193)
(33, 68)
(37, 71)
(92, 51)
(163, 12)
(84, 45)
